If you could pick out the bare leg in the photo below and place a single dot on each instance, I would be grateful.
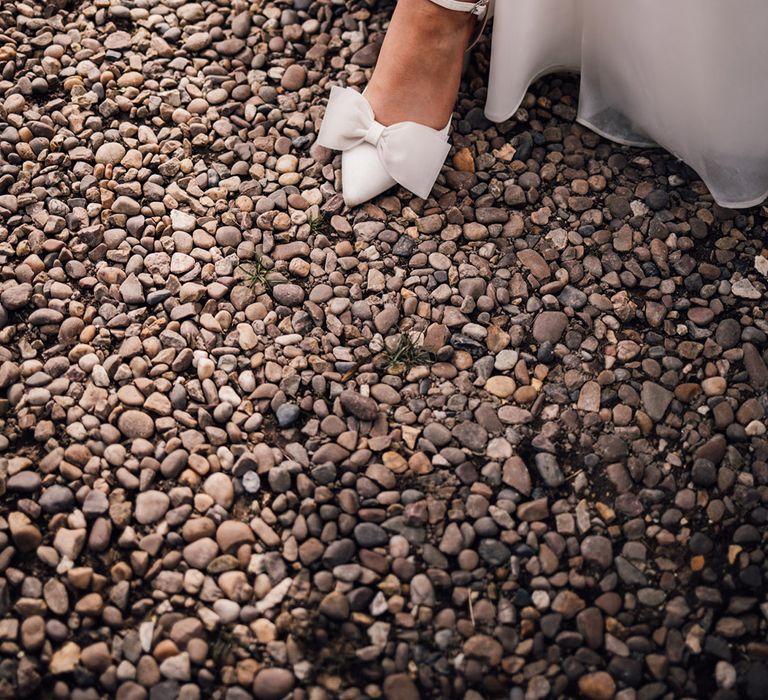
(419, 68)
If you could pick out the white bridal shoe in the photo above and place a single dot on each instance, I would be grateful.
(376, 157)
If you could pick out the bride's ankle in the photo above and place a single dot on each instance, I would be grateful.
(419, 68)
(437, 18)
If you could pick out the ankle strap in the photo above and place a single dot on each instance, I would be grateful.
(479, 7)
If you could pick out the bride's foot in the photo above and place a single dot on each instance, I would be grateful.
(398, 131)
(418, 71)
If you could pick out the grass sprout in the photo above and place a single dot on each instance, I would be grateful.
(317, 224)
(406, 354)
(257, 273)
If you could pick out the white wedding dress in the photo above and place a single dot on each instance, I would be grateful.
(688, 75)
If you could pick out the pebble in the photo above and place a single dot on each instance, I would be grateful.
(272, 683)
(549, 326)
(597, 686)
(111, 153)
(294, 77)
(656, 400)
(598, 549)
(359, 406)
(136, 424)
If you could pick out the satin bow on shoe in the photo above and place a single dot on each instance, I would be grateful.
(411, 154)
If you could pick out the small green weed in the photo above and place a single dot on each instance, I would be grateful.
(257, 273)
(317, 224)
(223, 644)
(406, 354)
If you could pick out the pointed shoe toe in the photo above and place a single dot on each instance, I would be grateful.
(363, 176)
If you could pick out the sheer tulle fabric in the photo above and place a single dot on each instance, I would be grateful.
(688, 75)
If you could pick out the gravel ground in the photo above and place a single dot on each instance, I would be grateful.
(509, 442)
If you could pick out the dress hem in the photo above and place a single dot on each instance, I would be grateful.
(503, 116)
(651, 144)
(559, 68)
